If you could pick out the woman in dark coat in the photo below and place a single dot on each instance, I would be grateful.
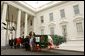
(27, 46)
(11, 43)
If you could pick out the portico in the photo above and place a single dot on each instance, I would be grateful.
(17, 23)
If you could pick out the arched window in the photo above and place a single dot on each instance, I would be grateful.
(42, 31)
(64, 30)
(52, 30)
(79, 25)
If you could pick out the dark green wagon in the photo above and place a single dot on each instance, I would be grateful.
(57, 40)
(43, 40)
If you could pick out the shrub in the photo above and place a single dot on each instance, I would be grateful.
(57, 40)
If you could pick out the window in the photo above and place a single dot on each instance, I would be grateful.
(62, 13)
(37, 39)
(51, 16)
(31, 22)
(79, 27)
(64, 30)
(52, 30)
(42, 31)
(76, 9)
(42, 21)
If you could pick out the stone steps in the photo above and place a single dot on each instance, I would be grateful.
(73, 45)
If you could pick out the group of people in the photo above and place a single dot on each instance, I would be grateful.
(29, 43)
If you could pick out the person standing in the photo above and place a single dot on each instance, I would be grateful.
(18, 40)
(50, 42)
(27, 46)
(15, 43)
(11, 43)
(32, 40)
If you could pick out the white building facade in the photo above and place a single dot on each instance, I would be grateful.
(65, 18)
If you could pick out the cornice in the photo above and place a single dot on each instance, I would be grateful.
(43, 7)
(18, 3)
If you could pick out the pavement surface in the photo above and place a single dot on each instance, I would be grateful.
(43, 52)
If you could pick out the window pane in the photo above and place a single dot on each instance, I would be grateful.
(79, 27)
(51, 16)
(64, 30)
(62, 13)
(76, 9)
(31, 22)
(42, 21)
(42, 31)
(52, 31)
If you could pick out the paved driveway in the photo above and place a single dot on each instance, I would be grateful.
(44, 52)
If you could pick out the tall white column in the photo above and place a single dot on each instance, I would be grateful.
(25, 29)
(9, 30)
(3, 31)
(7, 34)
(18, 24)
(10, 36)
(13, 31)
(1, 5)
(35, 24)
